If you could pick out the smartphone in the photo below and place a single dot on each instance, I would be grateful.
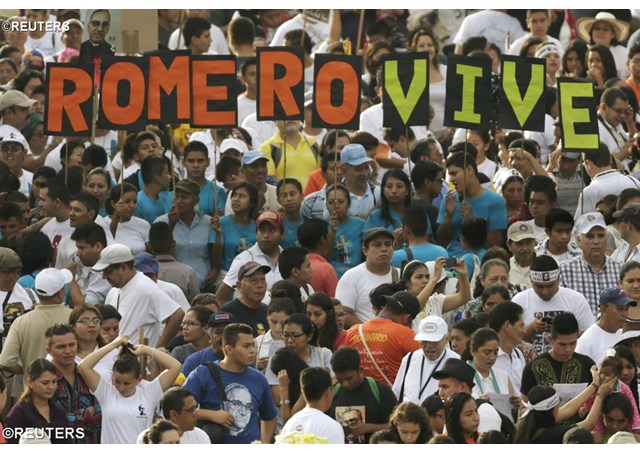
(450, 262)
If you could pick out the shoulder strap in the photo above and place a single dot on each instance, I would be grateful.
(404, 378)
(373, 360)
(32, 296)
(409, 253)
(395, 275)
(373, 385)
(215, 374)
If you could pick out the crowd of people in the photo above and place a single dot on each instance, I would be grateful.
(280, 282)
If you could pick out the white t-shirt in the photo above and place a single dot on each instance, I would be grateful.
(142, 303)
(433, 307)
(538, 232)
(313, 421)
(195, 436)
(319, 357)
(419, 373)
(493, 25)
(371, 121)
(50, 43)
(123, 418)
(605, 183)
(595, 341)
(544, 139)
(317, 30)
(354, 287)
(488, 168)
(175, 293)
(516, 46)
(134, 234)
(246, 107)
(260, 131)
(214, 156)
(25, 182)
(55, 231)
(565, 300)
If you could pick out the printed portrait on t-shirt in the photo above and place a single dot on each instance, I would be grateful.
(541, 340)
(239, 404)
(349, 416)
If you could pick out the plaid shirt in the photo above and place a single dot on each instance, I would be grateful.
(578, 275)
(76, 399)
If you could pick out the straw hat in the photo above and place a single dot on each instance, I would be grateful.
(585, 24)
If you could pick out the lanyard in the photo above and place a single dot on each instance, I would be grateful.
(430, 374)
(478, 379)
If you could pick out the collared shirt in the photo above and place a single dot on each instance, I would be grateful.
(256, 254)
(416, 375)
(615, 137)
(518, 275)
(192, 243)
(578, 275)
(513, 364)
(25, 415)
(76, 398)
(314, 205)
(362, 205)
(625, 253)
(608, 182)
(573, 251)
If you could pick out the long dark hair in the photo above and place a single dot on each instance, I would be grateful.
(253, 196)
(623, 352)
(328, 335)
(580, 48)
(409, 412)
(529, 425)
(286, 359)
(79, 311)
(452, 411)
(608, 62)
(396, 173)
(36, 369)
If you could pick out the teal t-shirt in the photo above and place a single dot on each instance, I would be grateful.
(347, 250)
(149, 209)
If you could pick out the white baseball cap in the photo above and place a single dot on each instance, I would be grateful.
(51, 280)
(431, 328)
(15, 137)
(586, 222)
(233, 143)
(113, 254)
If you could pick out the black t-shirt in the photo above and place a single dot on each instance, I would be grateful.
(254, 317)
(553, 435)
(361, 405)
(545, 370)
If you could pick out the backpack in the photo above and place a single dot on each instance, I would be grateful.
(373, 385)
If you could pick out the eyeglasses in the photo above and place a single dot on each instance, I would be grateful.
(191, 410)
(292, 336)
(190, 323)
(97, 23)
(87, 321)
(622, 111)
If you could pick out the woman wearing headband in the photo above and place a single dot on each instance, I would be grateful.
(540, 423)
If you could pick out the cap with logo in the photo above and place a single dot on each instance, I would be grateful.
(629, 212)
(233, 143)
(403, 301)
(146, 263)
(616, 296)
(15, 137)
(51, 280)
(519, 231)
(373, 233)
(189, 187)
(432, 329)
(586, 222)
(15, 98)
(273, 217)
(9, 260)
(221, 317)
(113, 254)
(251, 268)
(252, 156)
(354, 155)
(456, 369)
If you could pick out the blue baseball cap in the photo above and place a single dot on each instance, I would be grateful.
(146, 263)
(354, 154)
(251, 157)
(615, 295)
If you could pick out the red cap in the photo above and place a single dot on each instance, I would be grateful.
(273, 217)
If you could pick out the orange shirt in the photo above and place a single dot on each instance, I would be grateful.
(324, 277)
(388, 342)
(634, 87)
(315, 183)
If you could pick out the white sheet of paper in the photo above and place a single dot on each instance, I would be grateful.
(567, 392)
(501, 403)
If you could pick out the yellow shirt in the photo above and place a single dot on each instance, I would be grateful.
(301, 160)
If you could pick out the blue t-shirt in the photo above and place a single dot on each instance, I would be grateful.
(468, 258)
(149, 209)
(205, 205)
(375, 220)
(347, 250)
(198, 358)
(489, 205)
(291, 233)
(235, 239)
(423, 252)
(248, 395)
